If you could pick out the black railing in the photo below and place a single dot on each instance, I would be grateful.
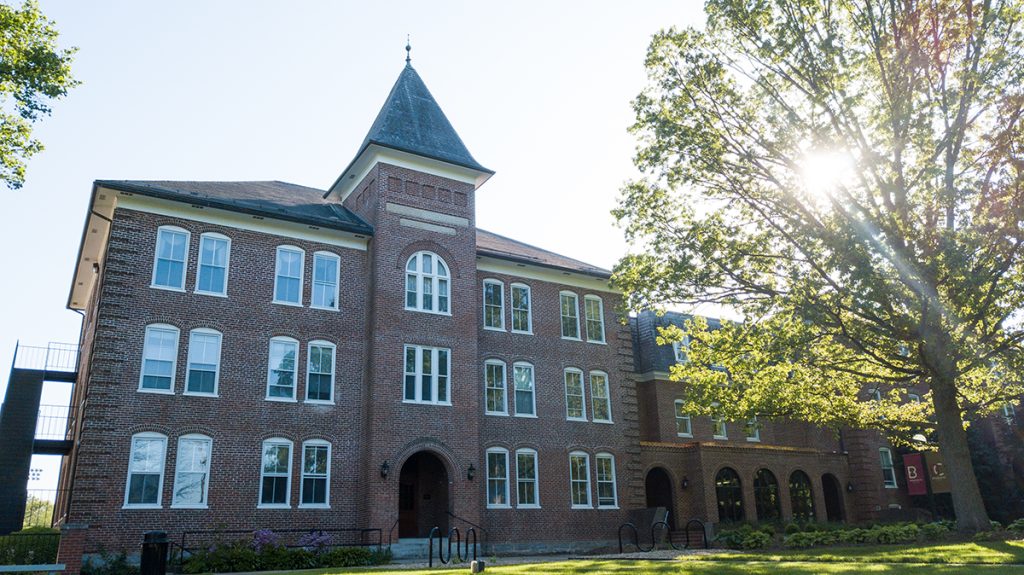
(191, 541)
(461, 552)
(668, 533)
(476, 529)
(390, 531)
(52, 422)
(54, 357)
(29, 548)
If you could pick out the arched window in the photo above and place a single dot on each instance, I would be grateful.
(730, 495)
(801, 496)
(426, 283)
(766, 496)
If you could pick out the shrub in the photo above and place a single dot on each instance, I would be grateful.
(1017, 525)
(31, 546)
(934, 530)
(243, 556)
(756, 540)
(897, 533)
(804, 539)
(109, 564)
(792, 528)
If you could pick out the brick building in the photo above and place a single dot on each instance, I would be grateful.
(267, 355)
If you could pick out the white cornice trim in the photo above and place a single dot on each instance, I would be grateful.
(653, 375)
(498, 266)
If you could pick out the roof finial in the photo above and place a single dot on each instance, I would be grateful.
(408, 51)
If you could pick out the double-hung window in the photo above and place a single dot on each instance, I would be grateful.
(679, 349)
(1008, 413)
(145, 470)
(684, 426)
(325, 280)
(494, 305)
(214, 253)
(192, 471)
(288, 275)
(320, 372)
(522, 316)
(494, 388)
(569, 304)
(281, 377)
(526, 478)
(497, 478)
(526, 401)
(276, 473)
(718, 429)
(170, 259)
(579, 479)
(600, 399)
(753, 429)
(606, 491)
(159, 358)
(203, 362)
(426, 283)
(575, 404)
(316, 474)
(888, 469)
(426, 375)
(593, 311)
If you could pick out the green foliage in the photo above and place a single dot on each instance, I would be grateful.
(241, 556)
(38, 512)
(29, 547)
(883, 534)
(109, 564)
(746, 536)
(1016, 526)
(936, 530)
(792, 528)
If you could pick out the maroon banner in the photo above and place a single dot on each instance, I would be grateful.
(937, 472)
(913, 464)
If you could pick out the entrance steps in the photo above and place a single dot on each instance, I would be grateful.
(416, 548)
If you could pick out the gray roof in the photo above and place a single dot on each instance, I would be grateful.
(411, 121)
(280, 200)
(494, 245)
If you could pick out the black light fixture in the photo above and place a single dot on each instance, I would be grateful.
(471, 472)
(849, 486)
(686, 482)
(384, 469)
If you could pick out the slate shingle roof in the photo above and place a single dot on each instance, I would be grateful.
(492, 244)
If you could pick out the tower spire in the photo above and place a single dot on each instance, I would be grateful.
(408, 51)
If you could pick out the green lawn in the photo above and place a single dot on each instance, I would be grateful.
(987, 552)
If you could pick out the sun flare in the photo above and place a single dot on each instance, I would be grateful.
(823, 171)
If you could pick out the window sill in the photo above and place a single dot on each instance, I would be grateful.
(608, 507)
(719, 437)
(521, 332)
(754, 439)
(431, 312)
(581, 507)
(199, 394)
(497, 413)
(489, 506)
(156, 391)
(141, 506)
(190, 506)
(314, 506)
(489, 328)
(583, 419)
(892, 486)
(604, 421)
(571, 338)
(414, 402)
(319, 401)
(211, 293)
(323, 308)
(287, 303)
(527, 506)
(273, 506)
(526, 415)
(168, 288)
(281, 399)
(594, 341)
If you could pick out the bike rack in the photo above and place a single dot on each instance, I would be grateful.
(461, 551)
(668, 535)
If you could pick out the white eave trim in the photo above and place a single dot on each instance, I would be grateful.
(375, 154)
(494, 265)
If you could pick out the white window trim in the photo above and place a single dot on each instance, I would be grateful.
(501, 292)
(529, 308)
(216, 372)
(199, 264)
(504, 403)
(487, 478)
(209, 469)
(576, 298)
(434, 277)
(583, 393)
(753, 425)
(334, 370)
(302, 273)
(288, 485)
(163, 469)
(295, 371)
(608, 396)
(536, 479)
(687, 417)
(420, 349)
(913, 397)
(892, 467)
(337, 281)
(1009, 413)
(614, 481)
(302, 475)
(677, 349)
(174, 362)
(184, 270)
(600, 309)
(590, 498)
(533, 388)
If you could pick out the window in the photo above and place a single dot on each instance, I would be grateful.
(145, 470)
(522, 316)
(494, 388)
(159, 358)
(1008, 413)
(192, 471)
(325, 280)
(913, 398)
(526, 478)
(494, 305)
(679, 349)
(288, 277)
(718, 430)
(730, 496)
(579, 479)
(320, 372)
(169, 260)
(888, 469)
(316, 474)
(203, 362)
(801, 496)
(684, 427)
(570, 315)
(214, 251)
(606, 494)
(753, 429)
(593, 310)
(497, 478)
(876, 394)
(525, 401)
(276, 473)
(426, 374)
(426, 283)
(599, 397)
(766, 496)
(281, 376)
(575, 407)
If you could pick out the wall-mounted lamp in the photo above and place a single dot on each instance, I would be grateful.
(384, 469)
(471, 472)
(686, 482)
(849, 487)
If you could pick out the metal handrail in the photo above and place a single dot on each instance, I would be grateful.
(483, 540)
(392, 530)
(703, 532)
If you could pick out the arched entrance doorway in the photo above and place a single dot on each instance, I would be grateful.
(833, 498)
(658, 488)
(422, 496)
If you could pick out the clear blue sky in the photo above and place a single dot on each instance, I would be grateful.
(200, 90)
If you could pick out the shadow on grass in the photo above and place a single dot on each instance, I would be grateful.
(974, 553)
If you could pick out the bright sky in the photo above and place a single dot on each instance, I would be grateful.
(196, 90)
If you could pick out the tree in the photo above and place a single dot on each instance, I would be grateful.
(38, 512)
(847, 176)
(32, 72)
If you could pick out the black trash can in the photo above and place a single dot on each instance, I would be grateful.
(154, 553)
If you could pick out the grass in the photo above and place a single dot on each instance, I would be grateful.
(978, 553)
